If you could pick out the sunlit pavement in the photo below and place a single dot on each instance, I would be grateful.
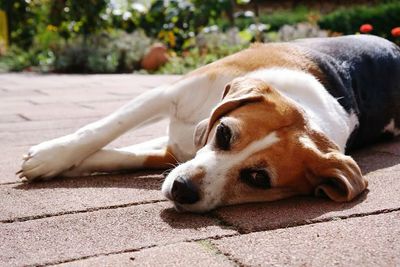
(123, 219)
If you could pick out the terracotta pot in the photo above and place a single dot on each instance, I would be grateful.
(156, 57)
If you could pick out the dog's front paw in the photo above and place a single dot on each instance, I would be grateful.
(50, 158)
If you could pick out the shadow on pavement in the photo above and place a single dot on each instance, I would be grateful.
(186, 220)
(247, 217)
(375, 158)
(269, 215)
(284, 213)
(150, 180)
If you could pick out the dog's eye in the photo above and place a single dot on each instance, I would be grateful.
(256, 178)
(223, 136)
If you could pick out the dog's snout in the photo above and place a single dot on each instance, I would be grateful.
(184, 192)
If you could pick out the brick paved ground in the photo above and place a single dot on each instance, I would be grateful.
(124, 220)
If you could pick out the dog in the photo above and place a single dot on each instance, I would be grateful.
(267, 123)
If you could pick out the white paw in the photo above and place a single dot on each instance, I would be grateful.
(48, 159)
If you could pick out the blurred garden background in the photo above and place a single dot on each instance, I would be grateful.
(170, 36)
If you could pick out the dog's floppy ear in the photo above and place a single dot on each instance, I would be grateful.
(334, 174)
(226, 90)
(200, 136)
(244, 86)
(237, 93)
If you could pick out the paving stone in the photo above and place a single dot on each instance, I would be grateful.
(58, 110)
(181, 254)
(10, 162)
(78, 194)
(58, 123)
(144, 134)
(10, 108)
(28, 138)
(31, 81)
(6, 118)
(371, 161)
(16, 82)
(367, 241)
(14, 96)
(382, 194)
(389, 147)
(67, 237)
(79, 96)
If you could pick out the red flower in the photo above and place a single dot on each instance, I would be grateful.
(366, 28)
(396, 32)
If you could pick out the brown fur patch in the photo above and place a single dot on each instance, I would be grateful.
(272, 55)
(160, 159)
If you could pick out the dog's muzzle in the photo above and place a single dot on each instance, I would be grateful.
(183, 191)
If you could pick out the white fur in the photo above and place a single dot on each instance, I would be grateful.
(216, 165)
(109, 160)
(391, 128)
(323, 111)
(56, 156)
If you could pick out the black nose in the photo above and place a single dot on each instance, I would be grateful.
(184, 192)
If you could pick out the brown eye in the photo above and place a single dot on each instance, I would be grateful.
(256, 178)
(223, 136)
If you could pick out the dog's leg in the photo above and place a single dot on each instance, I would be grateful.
(154, 154)
(53, 157)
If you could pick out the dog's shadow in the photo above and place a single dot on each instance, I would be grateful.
(285, 213)
(150, 180)
(299, 210)
(247, 217)
(378, 157)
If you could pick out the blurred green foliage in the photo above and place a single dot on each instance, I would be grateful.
(103, 53)
(69, 18)
(274, 20)
(195, 58)
(382, 17)
(102, 36)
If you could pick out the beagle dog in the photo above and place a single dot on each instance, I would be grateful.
(267, 123)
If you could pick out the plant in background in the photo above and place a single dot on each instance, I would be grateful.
(78, 17)
(102, 36)
(131, 47)
(208, 46)
(211, 39)
(102, 53)
(383, 17)
(16, 59)
(174, 21)
(21, 21)
(395, 32)
(366, 28)
(300, 30)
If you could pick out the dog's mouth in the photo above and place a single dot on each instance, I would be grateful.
(179, 208)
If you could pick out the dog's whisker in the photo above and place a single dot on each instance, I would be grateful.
(173, 156)
(173, 165)
(166, 172)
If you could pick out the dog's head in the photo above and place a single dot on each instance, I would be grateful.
(257, 146)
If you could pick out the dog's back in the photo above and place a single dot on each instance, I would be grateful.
(363, 73)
